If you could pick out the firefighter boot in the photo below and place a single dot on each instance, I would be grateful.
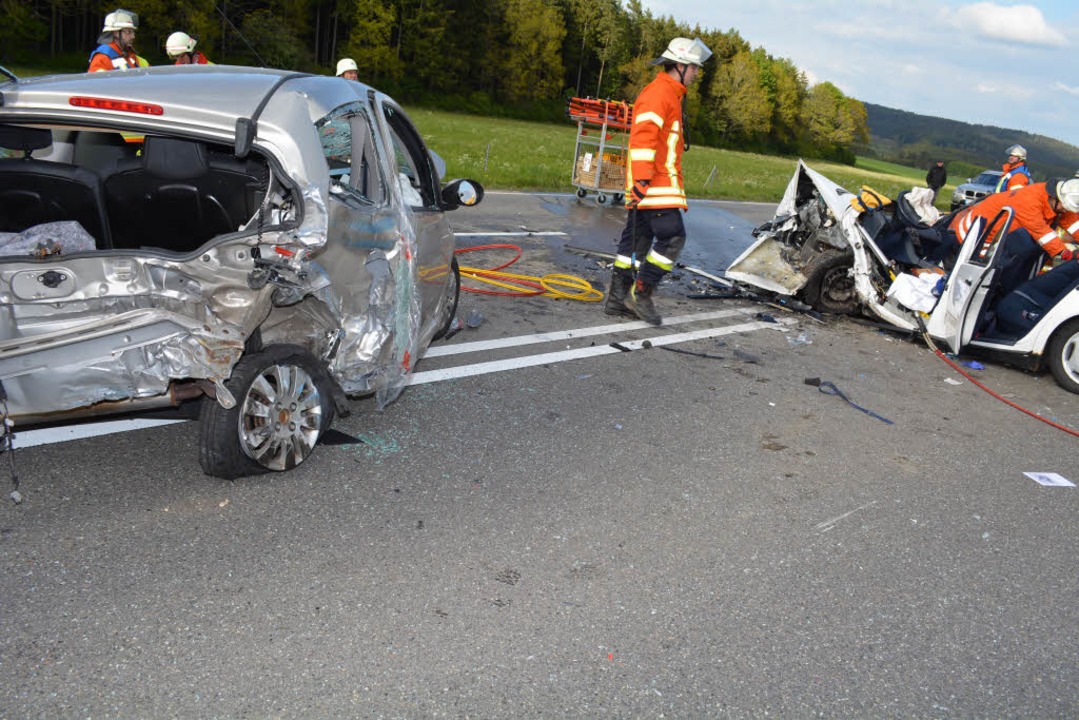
(621, 281)
(639, 300)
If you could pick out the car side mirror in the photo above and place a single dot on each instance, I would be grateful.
(461, 192)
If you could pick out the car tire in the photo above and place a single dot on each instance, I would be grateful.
(1063, 355)
(829, 287)
(453, 294)
(283, 383)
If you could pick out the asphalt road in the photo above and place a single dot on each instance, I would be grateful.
(545, 526)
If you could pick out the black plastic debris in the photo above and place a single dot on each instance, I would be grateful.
(765, 317)
(693, 353)
(829, 388)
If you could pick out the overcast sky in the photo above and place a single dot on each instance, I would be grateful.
(1012, 65)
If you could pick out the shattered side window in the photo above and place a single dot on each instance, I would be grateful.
(416, 176)
(348, 145)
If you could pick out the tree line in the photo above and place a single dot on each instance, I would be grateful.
(520, 58)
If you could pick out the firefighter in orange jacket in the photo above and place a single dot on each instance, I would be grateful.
(181, 50)
(1015, 173)
(655, 192)
(1037, 208)
(116, 45)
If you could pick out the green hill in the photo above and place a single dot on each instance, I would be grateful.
(917, 140)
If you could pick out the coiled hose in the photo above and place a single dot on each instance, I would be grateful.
(554, 285)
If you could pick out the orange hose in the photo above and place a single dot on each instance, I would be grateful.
(1003, 399)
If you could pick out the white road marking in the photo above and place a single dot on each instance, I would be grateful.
(483, 368)
(48, 436)
(523, 233)
(481, 345)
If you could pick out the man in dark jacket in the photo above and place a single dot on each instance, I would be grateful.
(936, 177)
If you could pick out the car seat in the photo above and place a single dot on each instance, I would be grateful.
(1019, 311)
(907, 240)
(34, 192)
(177, 195)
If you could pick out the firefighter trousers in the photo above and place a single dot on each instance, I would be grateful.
(651, 243)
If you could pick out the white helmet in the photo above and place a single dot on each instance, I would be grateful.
(344, 65)
(1019, 151)
(179, 43)
(685, 51)
(120, 19)
(1067, 192)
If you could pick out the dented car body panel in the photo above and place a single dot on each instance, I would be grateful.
(180, 218)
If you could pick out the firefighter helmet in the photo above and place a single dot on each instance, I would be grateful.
(346, 64)
(1019, 151)
(1067, 192)
(179, 43)
(684, 51)
(119, 20)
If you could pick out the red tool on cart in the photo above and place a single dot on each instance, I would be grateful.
(599, 163)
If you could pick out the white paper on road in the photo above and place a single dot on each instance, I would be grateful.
(1049, 478)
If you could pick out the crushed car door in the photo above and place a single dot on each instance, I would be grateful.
(419, 184)
(363, 231)
(969, 285)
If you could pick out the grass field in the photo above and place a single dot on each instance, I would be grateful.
(519, 155)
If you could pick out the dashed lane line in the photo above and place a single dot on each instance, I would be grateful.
(484, 345)
(50, 435)
(484, 368)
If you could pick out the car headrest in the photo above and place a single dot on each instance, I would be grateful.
(14, 137)
(174, 159)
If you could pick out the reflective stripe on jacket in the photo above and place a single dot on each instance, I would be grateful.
(1030, 204)
(655, 144)
(1069, 222)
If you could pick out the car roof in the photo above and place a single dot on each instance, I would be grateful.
(992, 173)
(206, 99)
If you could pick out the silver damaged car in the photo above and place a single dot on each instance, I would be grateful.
(263, 242)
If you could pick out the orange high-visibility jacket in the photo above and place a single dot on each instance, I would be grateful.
(100, 60)
(1069, 222)
(1013, 177)
(1032, 212)
(655, 144)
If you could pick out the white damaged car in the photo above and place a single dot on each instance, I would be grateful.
(260, 241)
(905, 268)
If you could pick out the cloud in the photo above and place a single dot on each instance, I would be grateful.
(1017, 23)
(1070, 89)
(1012, 91)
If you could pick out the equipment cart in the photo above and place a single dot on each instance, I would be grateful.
(599, 163)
